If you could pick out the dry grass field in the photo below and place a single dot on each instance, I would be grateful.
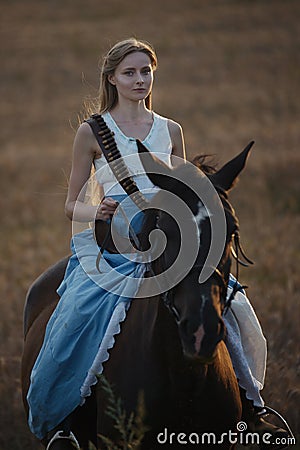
(228, 72)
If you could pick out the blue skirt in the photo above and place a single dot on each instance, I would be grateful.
(80, 330)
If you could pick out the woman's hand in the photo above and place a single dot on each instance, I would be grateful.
(106, 208)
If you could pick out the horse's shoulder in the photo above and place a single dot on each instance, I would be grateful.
(42, 292)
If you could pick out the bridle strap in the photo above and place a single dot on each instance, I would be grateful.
(168, 298)
(237, 287)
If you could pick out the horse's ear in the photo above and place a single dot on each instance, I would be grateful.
(159, 173)
(227, 175)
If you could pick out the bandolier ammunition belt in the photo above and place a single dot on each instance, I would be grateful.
(107, 143)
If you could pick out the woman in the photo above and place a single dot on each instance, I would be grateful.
(74, 328)
(125, 104)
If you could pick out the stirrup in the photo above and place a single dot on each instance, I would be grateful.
(267, 410)
(58, 435)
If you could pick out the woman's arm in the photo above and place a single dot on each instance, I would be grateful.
(177, 139)
(85, 149)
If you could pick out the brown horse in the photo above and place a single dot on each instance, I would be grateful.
(171, 346)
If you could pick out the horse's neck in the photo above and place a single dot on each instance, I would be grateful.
(154, 326)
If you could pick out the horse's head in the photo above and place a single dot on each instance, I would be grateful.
(198, 286)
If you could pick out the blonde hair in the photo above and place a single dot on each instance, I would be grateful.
(108, 95)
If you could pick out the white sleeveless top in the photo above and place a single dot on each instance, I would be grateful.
(158, 141)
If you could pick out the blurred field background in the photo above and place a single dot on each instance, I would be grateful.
(228, 72)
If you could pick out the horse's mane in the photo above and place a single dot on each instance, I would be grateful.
(205, 163)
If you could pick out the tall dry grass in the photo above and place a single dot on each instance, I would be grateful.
(229, 72)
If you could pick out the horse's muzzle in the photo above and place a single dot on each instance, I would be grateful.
(202, 344)
(201, 359)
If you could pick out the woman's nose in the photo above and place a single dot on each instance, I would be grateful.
(140, 79)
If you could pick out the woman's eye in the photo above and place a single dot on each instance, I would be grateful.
(129, 73)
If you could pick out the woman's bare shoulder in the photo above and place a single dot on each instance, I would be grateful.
(175, 129)
(85, 138)
(84, 130)
(176, 135)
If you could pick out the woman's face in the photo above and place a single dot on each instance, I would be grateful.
(133, 77)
